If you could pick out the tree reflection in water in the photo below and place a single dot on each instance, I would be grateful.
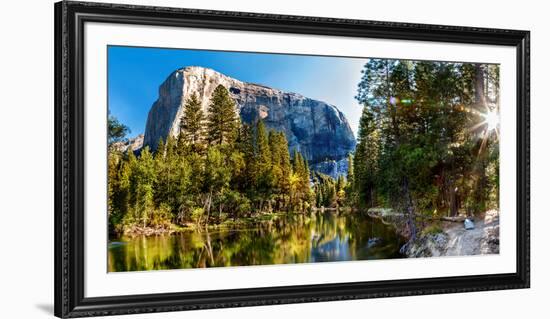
(285, 239)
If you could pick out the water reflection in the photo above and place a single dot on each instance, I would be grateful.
(286, 238)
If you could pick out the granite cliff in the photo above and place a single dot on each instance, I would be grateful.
(315, 128)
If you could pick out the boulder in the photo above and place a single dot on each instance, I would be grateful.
(468, 224)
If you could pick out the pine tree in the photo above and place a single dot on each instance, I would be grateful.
(264, 177)
(117, 188)
(328, 192)
(162, 183)
(351, 174)
(161, 148)
(275, 151)
(217, 175)
(182, 185)
(286, 168)
(245, 144)
(300, 181)
(281, 166)
(142, 186)
(170, 148)
(192, 123)
(365, 161)
(222, 121)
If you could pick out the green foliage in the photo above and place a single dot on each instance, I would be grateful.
(236, 203)
(222, 122)
(196, 214)
(116, 131)
(244, 170)
(420, 148)
(326, 191)
(142, 182)
(366, 159)
(263, 165)
(192, 124)
(422, 145)
(351, 170)
(301, 194)
(217, 173)
(161, 217)
(281, 167)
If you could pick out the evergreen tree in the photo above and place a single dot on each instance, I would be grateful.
(170, 148)
(245, 144)
(300, 181)
(160, 152)
(141, 187)
(281, 167)
(182, 147)
(125, 192)
(365, 161)
(192, 123)
(264, 177)
(222, 121)
(217, 175)
(182, 186)
(286, 168)
(162, 183)
(117, 189)
(351, 174)
(328, 192)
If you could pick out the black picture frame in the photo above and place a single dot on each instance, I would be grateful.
(70, 18)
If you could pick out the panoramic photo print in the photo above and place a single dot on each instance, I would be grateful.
(222, 159)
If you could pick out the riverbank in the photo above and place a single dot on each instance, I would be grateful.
(215, 223)
(455, 240)
(446, 236)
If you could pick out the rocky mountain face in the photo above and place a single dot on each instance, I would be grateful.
(136, 143)
(333, 168)
(316, 129)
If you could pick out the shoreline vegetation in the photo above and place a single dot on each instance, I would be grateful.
(426, 159)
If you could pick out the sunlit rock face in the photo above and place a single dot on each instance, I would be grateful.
(134, 143)
(316, 129)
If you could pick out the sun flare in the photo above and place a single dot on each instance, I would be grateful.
(491, 118)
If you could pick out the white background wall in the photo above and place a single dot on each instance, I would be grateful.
(26, 160)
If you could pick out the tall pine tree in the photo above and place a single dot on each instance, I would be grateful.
(192, 124)
(264, 174)
(222, 121)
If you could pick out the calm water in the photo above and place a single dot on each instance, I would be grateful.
(287, 238)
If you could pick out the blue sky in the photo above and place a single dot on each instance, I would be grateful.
(134, 75)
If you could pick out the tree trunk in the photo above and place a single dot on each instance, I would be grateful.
(409, 209)
(208, 207)
(479, 85)
(453, 202)
(209, 248)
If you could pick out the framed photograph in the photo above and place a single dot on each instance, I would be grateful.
(211, 159)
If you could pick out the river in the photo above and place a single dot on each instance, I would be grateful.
(283, 239)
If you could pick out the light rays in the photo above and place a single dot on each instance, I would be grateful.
(489, 124)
